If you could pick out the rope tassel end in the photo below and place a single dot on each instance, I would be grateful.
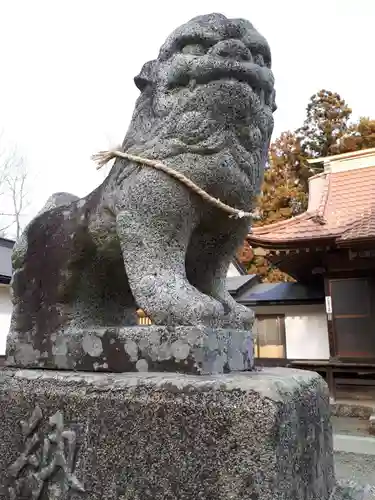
(103, 157)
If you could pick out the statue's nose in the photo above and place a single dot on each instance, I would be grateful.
(232, 49)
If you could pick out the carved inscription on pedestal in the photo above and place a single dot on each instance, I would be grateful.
(46, 462)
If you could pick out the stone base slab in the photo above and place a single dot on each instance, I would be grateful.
(150, 436)
(349, 490)
(197, 350)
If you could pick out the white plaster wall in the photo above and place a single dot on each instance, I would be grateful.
(232, 271)
(5, 313)
(362, 160)
(307, 335)
(306, 330)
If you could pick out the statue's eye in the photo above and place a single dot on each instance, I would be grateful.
(194, 49)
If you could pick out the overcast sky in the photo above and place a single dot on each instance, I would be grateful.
(67, 88)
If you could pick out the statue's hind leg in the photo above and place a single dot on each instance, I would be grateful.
(209, 255)
(154, 227)
(66, 293)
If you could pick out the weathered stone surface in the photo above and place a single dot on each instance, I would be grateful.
(355, 409)
(349, 490)
(250, 436)
(142, 239)
(187, 349)
(371, 424)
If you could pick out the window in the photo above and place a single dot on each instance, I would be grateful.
(353, 318)
(269, 336)
(351, 297)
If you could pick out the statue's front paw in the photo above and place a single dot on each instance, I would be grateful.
(171, 300)
(207, 312)
(240, 317)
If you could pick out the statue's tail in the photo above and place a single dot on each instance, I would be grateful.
(58, 199)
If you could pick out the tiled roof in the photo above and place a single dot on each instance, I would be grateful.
(343, 210)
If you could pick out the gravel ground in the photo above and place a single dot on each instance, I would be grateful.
(358, 468)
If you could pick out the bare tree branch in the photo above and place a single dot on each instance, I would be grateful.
(13, 189)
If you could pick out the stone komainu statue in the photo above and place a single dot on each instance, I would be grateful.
(142, 239)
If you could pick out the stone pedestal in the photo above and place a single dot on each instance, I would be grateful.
(157, 436)
(184, 349)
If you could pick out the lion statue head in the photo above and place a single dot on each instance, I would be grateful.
(211, 90)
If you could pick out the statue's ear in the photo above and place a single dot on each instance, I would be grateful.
(145, 77)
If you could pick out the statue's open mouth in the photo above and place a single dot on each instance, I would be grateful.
(207, 69)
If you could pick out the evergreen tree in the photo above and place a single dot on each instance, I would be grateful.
(327, 116)
(283, 192)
